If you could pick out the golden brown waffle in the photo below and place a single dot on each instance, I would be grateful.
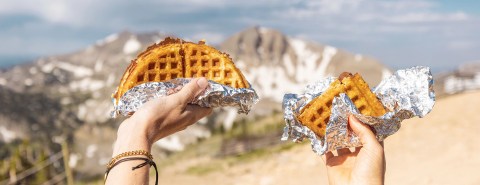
(204, 61)
(175, 58)
(316, 114)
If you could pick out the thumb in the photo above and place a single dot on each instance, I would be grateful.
(192, 89)
(362, 131)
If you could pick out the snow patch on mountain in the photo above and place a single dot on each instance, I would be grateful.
(66, 101)
(271, 81)
(307, 61)
(94, 110)
(28, 82)
(47, 68)
(288, 64)
(110, 79)
(33, 70)
(3, 81)
(78, 71)
(98, 66)
(328, 54)
(171, 143)
(87, 84)
(6, 134)
(263, 30)
(108, 39)
(91, 149)
(132, 45)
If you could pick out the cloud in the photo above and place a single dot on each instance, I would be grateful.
(50, 11)
(373, 27)
(427, 17)
(461, 45)
(310, 9)
(372, 11)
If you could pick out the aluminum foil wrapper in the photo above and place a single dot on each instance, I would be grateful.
(406, 94)
(216, 95)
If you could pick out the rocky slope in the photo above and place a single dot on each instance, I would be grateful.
(276, 63)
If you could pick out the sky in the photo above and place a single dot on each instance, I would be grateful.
(400, 33)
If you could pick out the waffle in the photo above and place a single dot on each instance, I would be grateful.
(175, 58)
(316, 114)
(204, 61)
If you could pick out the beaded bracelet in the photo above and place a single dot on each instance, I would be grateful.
(127, 154)
(147, 161)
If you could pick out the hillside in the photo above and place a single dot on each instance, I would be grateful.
(442, 148)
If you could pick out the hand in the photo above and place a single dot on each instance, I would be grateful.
(156, 119)
(366, 165)
(164, 116)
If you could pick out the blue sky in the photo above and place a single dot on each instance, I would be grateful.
(400, 33)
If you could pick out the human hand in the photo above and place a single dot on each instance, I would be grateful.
(156, 119)
(366, 165)
(161, 117)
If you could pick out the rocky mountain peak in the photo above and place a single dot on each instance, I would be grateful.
(275, 63)
(257, 44)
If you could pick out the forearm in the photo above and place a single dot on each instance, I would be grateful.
(129, 138)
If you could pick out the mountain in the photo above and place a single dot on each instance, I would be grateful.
(83, 79)
(465, 78)
(275, 63)
(33, 116)
(69, 96)
(72, 91)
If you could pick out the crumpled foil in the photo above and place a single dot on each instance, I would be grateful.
(406, 94)
(216, 95)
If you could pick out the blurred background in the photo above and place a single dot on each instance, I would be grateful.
(61, 60)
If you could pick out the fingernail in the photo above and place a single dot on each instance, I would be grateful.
(202, 83)
(352, 117)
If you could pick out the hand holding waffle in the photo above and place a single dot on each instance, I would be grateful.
(365, 165)
(165, 115)
(156, 119)
(316, 114)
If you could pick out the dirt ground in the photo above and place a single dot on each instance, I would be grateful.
(442, 148)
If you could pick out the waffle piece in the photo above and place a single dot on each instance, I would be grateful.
(204, 61)
(316, 114)
(160, 62)
(175, 58)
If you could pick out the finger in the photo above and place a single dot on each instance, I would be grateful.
(357, 149)
(327, 156)
(343, 151)
(193, 113)
(190, 90)
(197, 112)
(364, 133)
(151, 109)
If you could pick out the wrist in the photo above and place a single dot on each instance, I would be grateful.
(131, 136)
